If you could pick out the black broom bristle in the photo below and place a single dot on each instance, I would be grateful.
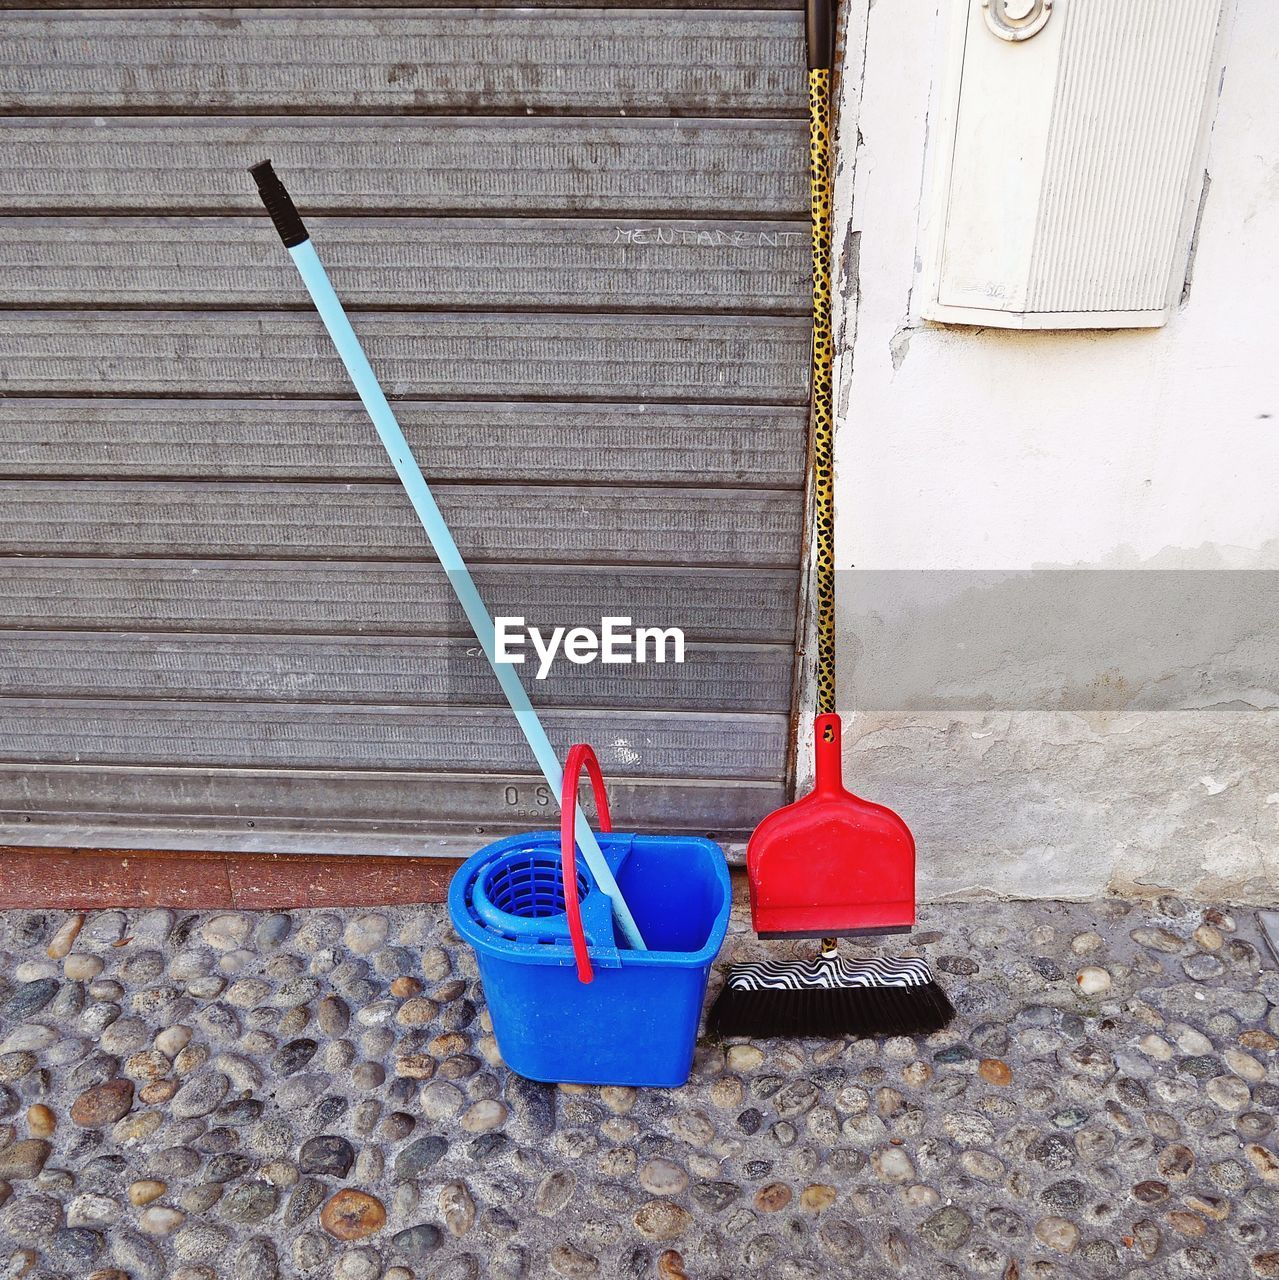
(828, 1012)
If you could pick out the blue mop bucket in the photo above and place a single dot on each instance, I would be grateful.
(568, 1005)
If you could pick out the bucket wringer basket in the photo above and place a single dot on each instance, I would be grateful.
(568, 1003)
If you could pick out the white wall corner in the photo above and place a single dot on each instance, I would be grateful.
(962, 450)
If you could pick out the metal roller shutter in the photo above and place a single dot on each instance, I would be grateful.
(576, 243)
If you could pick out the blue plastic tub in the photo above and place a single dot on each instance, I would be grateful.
(636, 1023)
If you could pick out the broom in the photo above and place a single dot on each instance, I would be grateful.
(829, 863)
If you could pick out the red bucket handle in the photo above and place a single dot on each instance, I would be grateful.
(578, 755)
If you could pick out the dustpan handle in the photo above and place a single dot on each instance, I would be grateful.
(828, 756)
(579, 754)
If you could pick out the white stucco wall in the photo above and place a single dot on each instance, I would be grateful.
(961, 449)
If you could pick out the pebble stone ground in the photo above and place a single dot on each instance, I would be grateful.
(313, 1094)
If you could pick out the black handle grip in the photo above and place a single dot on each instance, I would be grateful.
(821, 34)
(279, 205)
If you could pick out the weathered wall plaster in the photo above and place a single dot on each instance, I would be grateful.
(1022, 766)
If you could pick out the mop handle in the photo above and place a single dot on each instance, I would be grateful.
(294, 234)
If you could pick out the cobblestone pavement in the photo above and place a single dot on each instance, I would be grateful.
(318, 1095)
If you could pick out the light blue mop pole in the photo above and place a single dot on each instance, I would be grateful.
(294, 234)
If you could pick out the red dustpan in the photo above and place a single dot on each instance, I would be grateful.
(831, 863)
